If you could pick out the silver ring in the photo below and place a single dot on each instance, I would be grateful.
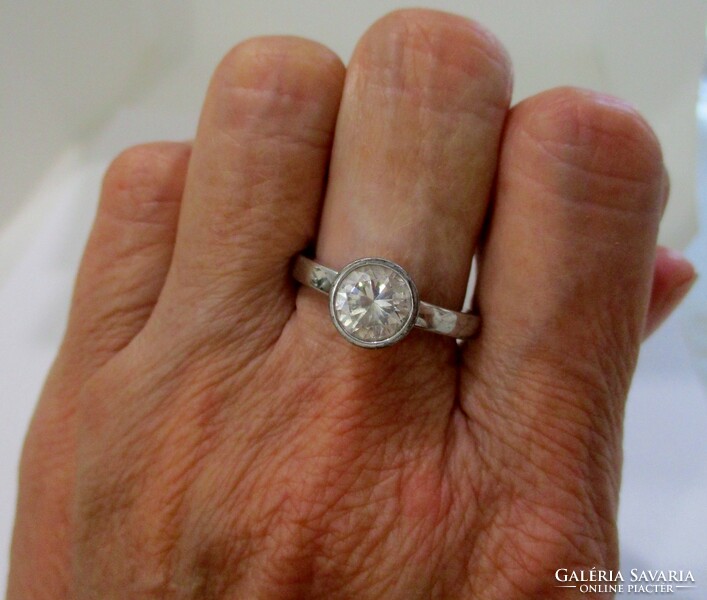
(374, 303)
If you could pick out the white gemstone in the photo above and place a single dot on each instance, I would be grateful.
(373, 302)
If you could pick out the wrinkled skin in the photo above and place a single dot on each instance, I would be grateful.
(206, 433)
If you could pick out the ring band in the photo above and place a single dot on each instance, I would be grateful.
(374, 303)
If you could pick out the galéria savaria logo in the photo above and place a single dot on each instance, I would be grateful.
(635, 581)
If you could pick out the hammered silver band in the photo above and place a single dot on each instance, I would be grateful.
(426, 316)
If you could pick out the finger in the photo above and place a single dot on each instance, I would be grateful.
(563, 289)
(255, 181)
(120, 278)
(566, 269)
(129, 250)
(673, 277)
(415, 151)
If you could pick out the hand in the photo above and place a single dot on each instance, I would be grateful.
(206, 433)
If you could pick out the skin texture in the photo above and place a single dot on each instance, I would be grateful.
(205, 432)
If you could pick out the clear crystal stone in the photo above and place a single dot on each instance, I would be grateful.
(373, 302)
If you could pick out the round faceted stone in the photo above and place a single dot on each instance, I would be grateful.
(373, 302)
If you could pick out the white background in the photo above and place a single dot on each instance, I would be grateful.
(80, 79)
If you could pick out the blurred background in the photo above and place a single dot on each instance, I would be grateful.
(81, 79)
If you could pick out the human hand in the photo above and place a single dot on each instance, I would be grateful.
(206, 433)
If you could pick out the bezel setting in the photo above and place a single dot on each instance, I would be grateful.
(411, 291)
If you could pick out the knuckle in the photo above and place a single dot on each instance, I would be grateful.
(143, 177)
(284, 67)
(595, 134)
(436, 56)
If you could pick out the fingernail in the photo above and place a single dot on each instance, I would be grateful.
(684, 270)
(682, 289)
(681, 273)
(677, 294)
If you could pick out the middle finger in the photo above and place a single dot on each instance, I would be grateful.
(415, 149)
